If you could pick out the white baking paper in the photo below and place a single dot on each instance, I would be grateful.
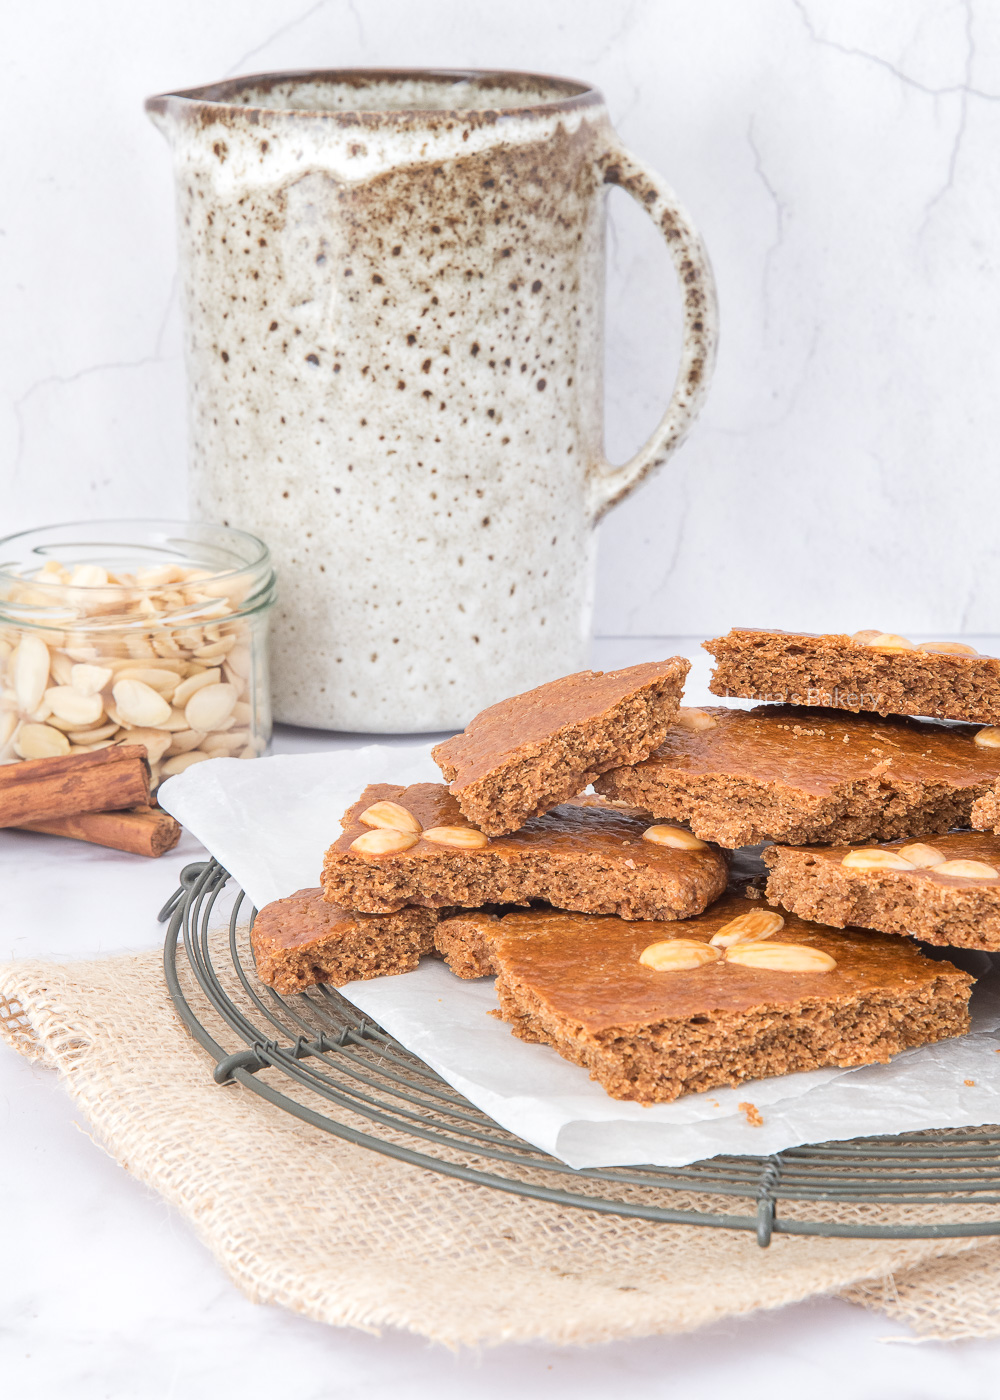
(269, 823)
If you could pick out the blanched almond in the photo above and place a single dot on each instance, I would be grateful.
(220, 744)
(384, 842)
(62, 668)
(921, 855)
(188, 687)
(240, 659)
(967, 869)
(695, 720)
(209, 707)
(463, 838)
(748, 928)
(184, 741)
(139, 704)
(874, 859)
(988, 738)
(183, 761)
(92, 736)
(31, 672)
(890, 641)
(157, 741)
(211, 650)
(69, 704)
(88, 576)
(85, 679)
(165, 646)
(40, 741)
(160, 679)
(391, 815)
(678, 955)
(674, 836)
(781, 957)
(8, 723)
(948, 648)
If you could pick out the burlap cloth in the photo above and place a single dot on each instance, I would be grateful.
(347, 1236)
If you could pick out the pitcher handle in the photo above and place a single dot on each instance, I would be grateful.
(608, 484)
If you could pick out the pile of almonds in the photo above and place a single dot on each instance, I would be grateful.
(163, 662)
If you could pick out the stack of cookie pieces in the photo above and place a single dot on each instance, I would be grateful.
(612, 933)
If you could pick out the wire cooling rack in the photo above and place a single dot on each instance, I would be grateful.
(315, 1056)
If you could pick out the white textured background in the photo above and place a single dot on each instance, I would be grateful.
(840, 157)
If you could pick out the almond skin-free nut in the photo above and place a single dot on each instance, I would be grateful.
(157, 741)
(88, 680)
(988, 738)
(211, 706)
(678, 955)
(921, 855)
(948, 648)
(139, 704)
(967, 869)
(675, 836)
(183, 741)
(874, 859)
(889, 641)
(182, 761)
(187, 688)
(695, 720)
(748, 928)
(160, 679)
(69, 704)
(31, 672)
(40, 741)
(464, 838)
(781, 957)
(391, 815)
(384, 842)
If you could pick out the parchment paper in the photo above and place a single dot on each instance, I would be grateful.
(270, 821)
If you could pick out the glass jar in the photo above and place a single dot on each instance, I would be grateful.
(135, 631)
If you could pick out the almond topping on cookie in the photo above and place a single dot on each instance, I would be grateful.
(888, 641)
(464, 838)
(748, 928)
(384, 842)
(674, 836)
(390, 815)
(988, 738)
(695, 720)
(920, 855)
(678, 955)
(948, 648)
(781, 957)
(874, 859)
(967, 869)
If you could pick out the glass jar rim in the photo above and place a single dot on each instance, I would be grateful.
(248, 557)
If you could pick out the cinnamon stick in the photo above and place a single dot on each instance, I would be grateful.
(145, 831)
(102, 781)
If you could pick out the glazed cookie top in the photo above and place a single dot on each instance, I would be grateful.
(819, 750)
(512, 728)
(428, 817)
(600, 972)
(966, 860)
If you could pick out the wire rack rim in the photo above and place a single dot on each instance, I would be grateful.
(907, 1171)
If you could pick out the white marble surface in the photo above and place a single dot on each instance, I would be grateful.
(839, 156)
(105, 1293)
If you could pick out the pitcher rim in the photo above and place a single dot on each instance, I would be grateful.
(214, 98)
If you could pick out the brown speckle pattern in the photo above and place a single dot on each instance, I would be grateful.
(393, 292)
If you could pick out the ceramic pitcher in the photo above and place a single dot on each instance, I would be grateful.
(393, 290)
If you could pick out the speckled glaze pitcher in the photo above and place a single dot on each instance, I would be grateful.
(393, 289)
